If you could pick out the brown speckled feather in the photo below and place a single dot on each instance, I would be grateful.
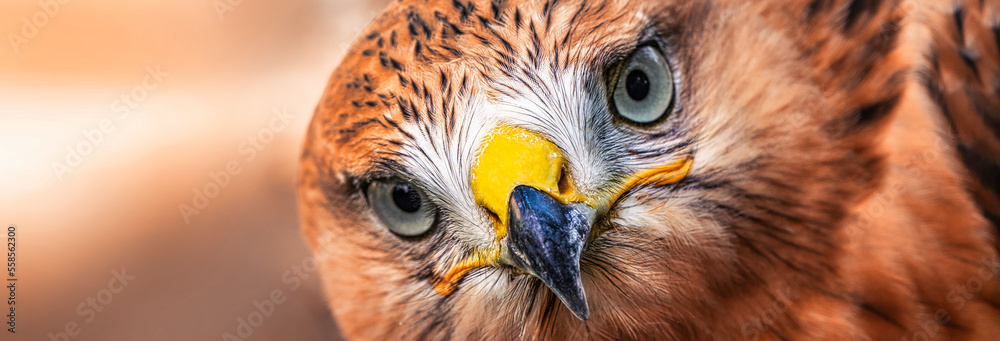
(845, 180)
(963, 79)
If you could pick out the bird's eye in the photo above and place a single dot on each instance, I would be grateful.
(644, 88)
(401, 206)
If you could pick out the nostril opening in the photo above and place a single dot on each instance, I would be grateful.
(491, 214)
(564, 186)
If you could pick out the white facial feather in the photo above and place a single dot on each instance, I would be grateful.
(568, 106)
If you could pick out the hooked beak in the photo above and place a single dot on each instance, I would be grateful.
(546, 238)
(542, 223)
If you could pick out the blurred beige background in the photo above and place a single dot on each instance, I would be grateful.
(116, 117)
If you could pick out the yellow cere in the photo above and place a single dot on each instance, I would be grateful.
(512, 156)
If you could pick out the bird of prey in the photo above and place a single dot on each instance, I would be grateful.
(661, 169)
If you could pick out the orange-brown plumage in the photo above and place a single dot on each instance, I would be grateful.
(844, 182)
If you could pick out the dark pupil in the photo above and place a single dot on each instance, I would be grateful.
(637, 85)
(406, 198)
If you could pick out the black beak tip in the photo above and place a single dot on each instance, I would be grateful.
(570, 291)
(547, 238)
(578, 306)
